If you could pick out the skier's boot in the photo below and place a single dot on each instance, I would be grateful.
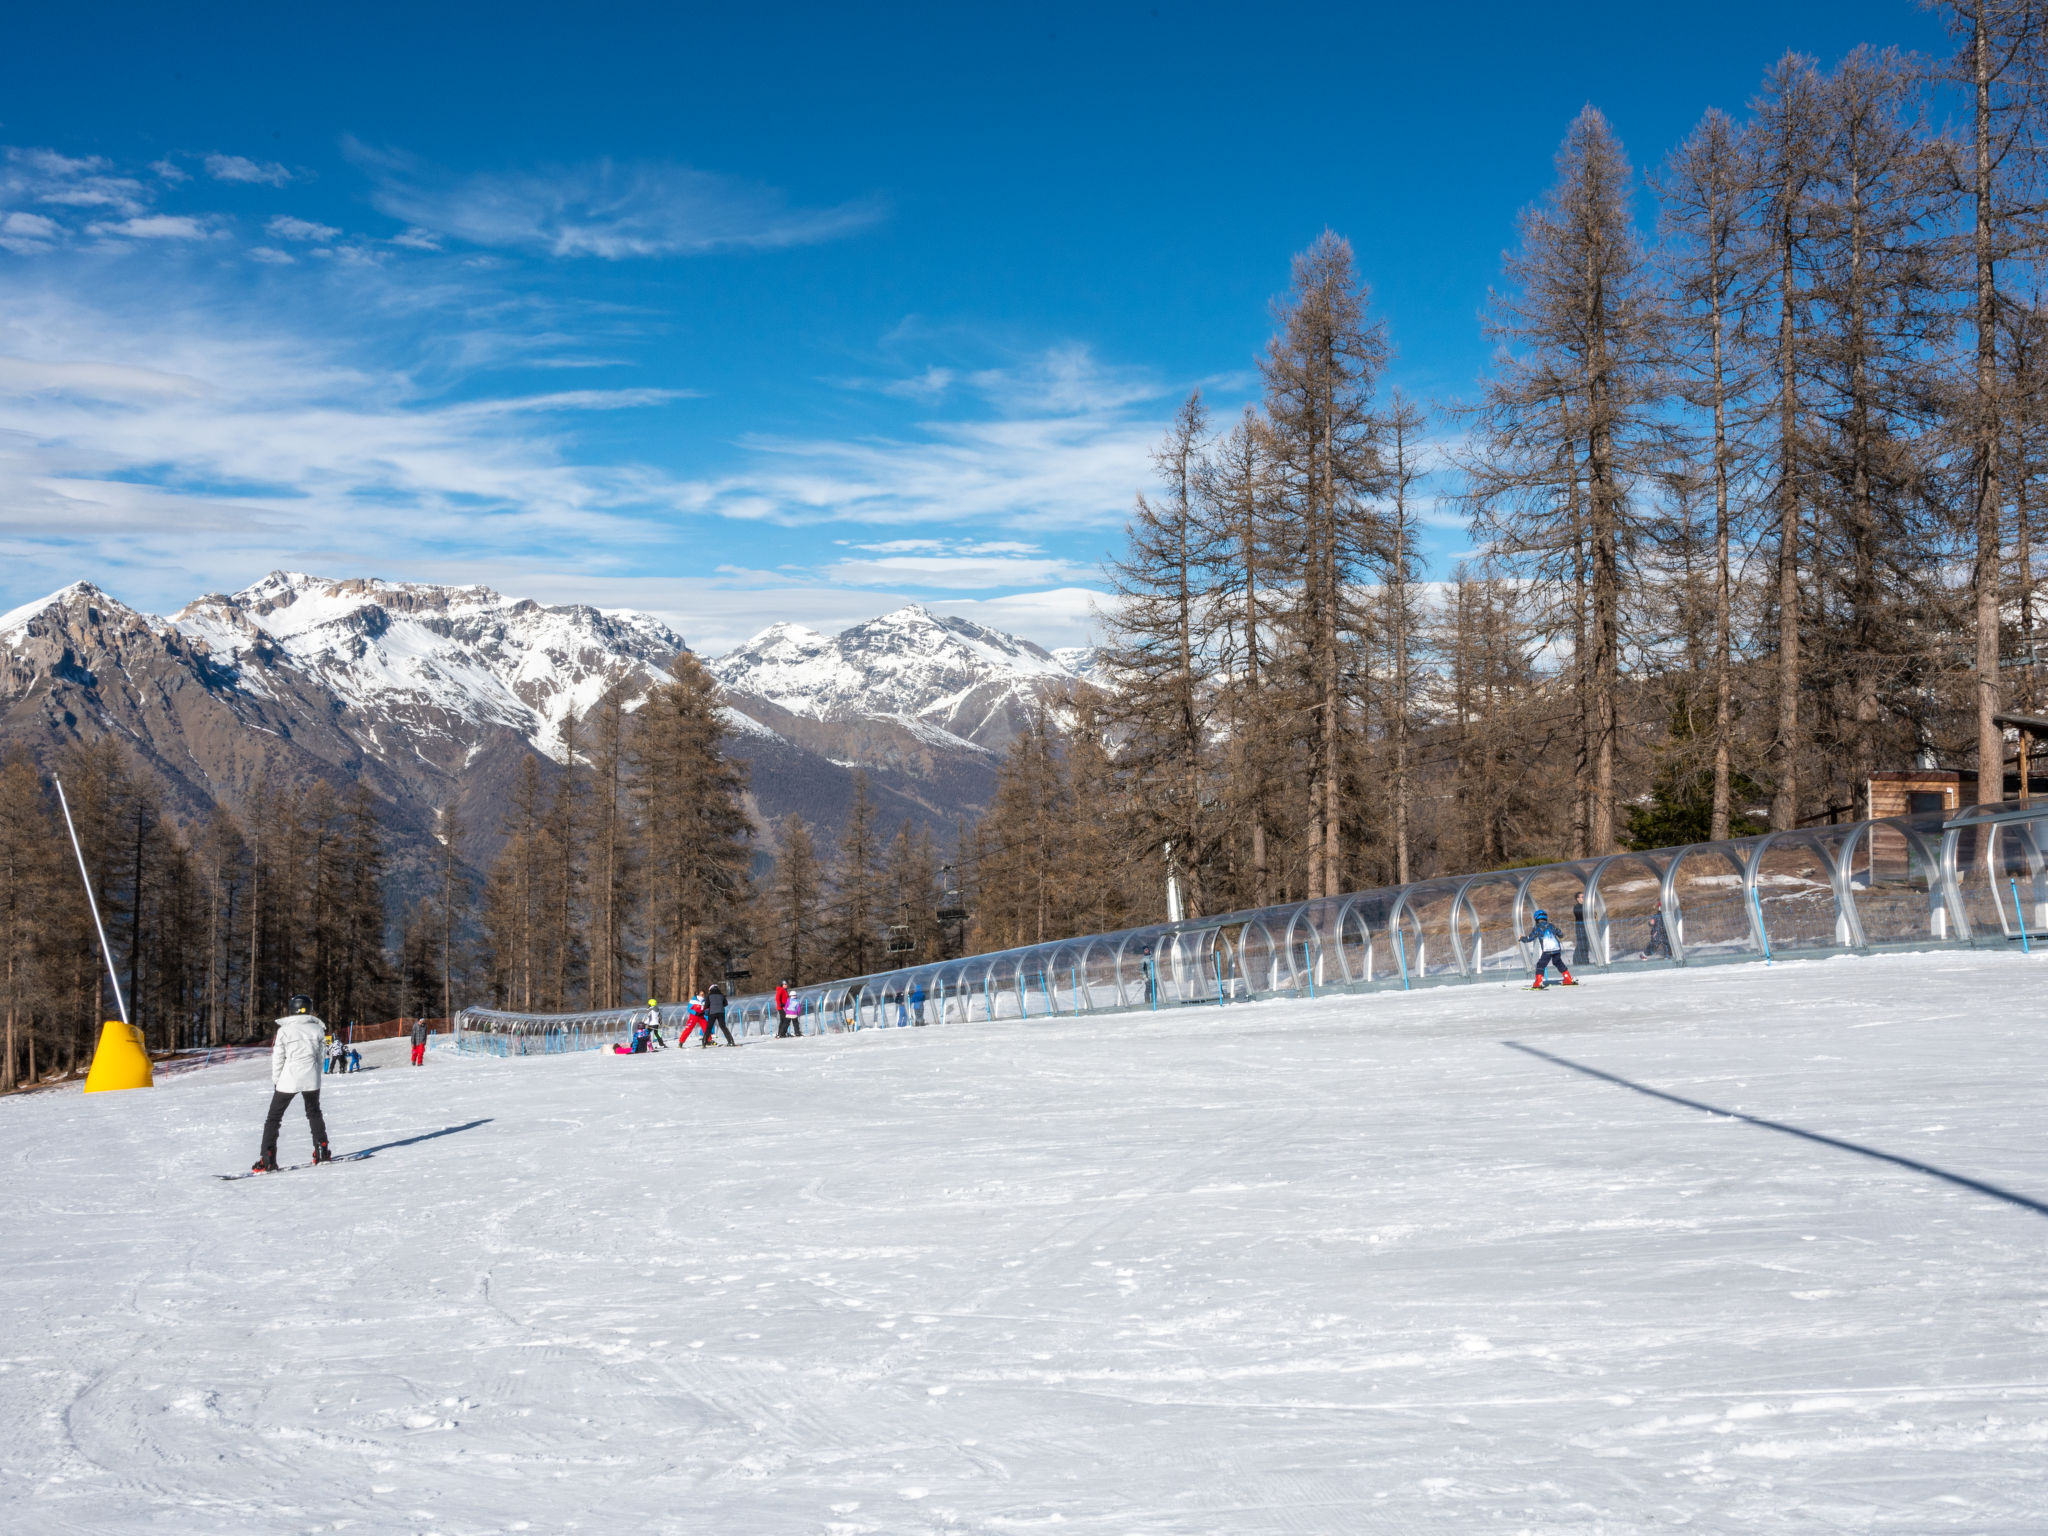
(265, 1164)
(1568, 982)
(321, 1154)
(1536, 985)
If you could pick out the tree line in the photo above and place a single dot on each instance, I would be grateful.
(212, 926)
(1750, 488)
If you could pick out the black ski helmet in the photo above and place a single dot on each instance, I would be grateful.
(300, 1003)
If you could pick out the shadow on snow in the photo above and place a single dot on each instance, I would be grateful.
(1959, 1180)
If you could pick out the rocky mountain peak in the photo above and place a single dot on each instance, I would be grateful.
(935, 670)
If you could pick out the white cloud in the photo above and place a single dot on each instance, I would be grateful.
(417, 239)
(271, 257)
(106, 382)
(170, 170)
(608, 209)
(25, 233)
(154, 226)
(242, 169)
(954, 573)
(285, 227)
(44, 176)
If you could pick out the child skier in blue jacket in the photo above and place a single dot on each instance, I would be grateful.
(1549, 950)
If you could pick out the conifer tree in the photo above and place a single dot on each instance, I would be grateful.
(1576, 393)
(856, 889)
(695, 828)
(1159, 654)
(1321, 372)
(792, 919)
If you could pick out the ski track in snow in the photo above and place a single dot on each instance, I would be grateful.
(1346, 1266)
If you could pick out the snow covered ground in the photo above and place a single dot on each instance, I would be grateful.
(1352, 1266)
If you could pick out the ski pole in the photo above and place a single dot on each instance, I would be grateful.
(2020, 916)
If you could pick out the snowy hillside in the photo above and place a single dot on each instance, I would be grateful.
(969, 681)
(1355, 1265)
(413, 655)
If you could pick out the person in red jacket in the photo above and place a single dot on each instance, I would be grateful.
(785, 1013)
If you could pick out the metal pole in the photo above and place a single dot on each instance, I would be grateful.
(2020, 915)
(1401, 954)
(90, 900)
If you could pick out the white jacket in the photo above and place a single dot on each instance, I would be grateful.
(295, 1055)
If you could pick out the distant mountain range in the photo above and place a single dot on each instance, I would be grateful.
(435, 694)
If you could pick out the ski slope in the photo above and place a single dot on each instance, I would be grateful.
(1350, 1266)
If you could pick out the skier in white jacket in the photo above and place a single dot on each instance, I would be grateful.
(295, 1069)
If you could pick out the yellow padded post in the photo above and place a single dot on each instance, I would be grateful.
(122, 1060)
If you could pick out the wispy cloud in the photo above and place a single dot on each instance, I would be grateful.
(285, 227)
(153, 226)
(956, 572)
(42, 176)
(608, 209)
(175, 437)
(242, 169)
(1060, 442)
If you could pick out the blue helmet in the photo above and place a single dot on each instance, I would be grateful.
(1542, 916)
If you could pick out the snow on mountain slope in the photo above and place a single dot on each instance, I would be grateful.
(970, 681)
(428, 656)
(1322, 1268)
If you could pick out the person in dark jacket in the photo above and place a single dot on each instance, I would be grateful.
(419, 1042)
(714, 1014)
(1582, 950)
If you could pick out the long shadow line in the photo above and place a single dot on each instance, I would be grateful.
(410, 1141)
(1960, 1180)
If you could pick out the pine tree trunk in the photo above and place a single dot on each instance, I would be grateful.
(1723, 608)
(1785, 794)
(1985, 573)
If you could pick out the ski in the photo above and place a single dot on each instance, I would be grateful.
(229, 1178)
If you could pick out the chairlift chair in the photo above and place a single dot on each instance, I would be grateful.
(900, 941)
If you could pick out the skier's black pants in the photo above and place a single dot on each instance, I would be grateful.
(718, 1024)
(1551, 957)
(788, 1027)
(275, 1118)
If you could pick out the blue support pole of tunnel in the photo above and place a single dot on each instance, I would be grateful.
(2019, 914)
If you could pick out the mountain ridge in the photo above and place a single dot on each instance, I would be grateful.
(432, 694)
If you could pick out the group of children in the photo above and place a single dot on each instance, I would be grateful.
(707, 1013)
(342, 1057)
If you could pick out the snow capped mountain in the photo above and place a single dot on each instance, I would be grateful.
(438, 697)
(431, 658)
(930, 672)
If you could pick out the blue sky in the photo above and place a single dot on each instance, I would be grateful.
(740, 313)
